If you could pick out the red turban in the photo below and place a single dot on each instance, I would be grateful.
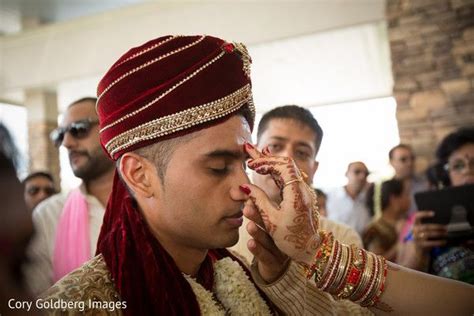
(168, 87)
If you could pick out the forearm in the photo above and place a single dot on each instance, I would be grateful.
(409, 292)
(360, 276)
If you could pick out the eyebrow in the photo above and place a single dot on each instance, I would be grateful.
(299, 143)
(227, 154)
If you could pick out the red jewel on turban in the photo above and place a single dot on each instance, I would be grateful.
(228, 47)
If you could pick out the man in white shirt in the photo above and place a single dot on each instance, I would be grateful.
(292, 131)
(347, 204)
(402, 159)
(55, 241)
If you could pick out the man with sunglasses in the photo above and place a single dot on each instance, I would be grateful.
(38, 187)
(347, 204)
(67, 226)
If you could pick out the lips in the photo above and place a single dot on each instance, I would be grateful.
(235, 220)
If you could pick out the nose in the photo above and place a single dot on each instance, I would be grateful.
(287, 152)
(241, 178)
(68, 141)
(42, 195)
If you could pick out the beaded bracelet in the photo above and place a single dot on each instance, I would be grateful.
(322, 256)
(347, 272)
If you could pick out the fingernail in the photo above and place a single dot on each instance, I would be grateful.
(249, 146)
(244, 189)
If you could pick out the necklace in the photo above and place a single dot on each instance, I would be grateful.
(235, 293)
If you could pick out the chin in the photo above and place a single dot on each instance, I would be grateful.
(227, 241)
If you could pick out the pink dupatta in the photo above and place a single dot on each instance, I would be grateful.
(72, 244)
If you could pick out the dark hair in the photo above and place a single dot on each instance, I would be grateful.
(451, 143)
(8, 148)
(435, 175)
(320, 193)
(387, 188)
(85, 99)
(404, 146)
(297, 113)
(43, 174)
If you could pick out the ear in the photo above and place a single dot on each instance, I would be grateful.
(137, 172)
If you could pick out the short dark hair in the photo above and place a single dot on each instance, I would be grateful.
(404, 146)
(451, 143)
(387, 189)
(294, 112)
(8, 147)
(37, 174)
(85, 99)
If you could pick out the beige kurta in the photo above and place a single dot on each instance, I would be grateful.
(291, 293)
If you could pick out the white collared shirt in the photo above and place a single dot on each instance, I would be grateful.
(343, 209)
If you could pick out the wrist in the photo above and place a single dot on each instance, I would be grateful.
(349, 272)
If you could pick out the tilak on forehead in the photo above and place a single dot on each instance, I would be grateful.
(169, 87)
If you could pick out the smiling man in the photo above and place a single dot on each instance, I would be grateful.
(67, 226)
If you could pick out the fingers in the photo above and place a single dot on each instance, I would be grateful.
(432, 243)
(253, 152)
(261, 238)
(263, 205)
(420, 215)
(252, 214)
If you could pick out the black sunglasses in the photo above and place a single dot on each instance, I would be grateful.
(79, 130)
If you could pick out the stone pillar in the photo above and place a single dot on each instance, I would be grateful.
(432, 52)
(42, 109)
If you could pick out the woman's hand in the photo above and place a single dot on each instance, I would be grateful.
(293, 224)
(426, 236)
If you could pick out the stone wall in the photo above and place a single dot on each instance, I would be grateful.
(432, 51)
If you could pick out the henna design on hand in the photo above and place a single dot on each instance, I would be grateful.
(301, 233)
(269, 226)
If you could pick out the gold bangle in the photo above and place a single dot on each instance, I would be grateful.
(347, 267)
(341, 271)
(364, 281)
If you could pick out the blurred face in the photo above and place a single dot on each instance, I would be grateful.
(200, 204)
(403, 161)
(37, 189)
(86, 157)
(404, 201)
(357, 175)
(460, 165)
(287, 138)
